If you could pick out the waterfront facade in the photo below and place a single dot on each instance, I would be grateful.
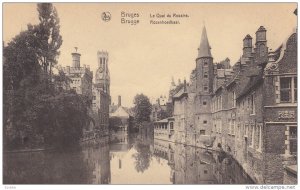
(248, 110)
(164, 129)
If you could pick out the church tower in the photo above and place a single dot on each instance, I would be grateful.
(102, 78)
(204, 87)
(204, 66)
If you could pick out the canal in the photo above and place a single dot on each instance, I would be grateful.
(123, 159)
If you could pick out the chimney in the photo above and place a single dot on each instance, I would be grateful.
(261, 34)
(247, 46)
(119, 101)
(76, 58)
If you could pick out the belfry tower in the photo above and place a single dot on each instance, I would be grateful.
(102, 76)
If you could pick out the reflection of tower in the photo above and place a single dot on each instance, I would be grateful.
(102, 77)
(120, 164)
(98, 163)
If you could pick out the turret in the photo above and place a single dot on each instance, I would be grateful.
(204, 66)
(76, 59)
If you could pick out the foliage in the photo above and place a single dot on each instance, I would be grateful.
(142, 108)
(142, 145)
(114, 123)
(48, 31)
(35, 112)
(162, 114)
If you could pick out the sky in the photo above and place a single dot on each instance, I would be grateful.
(144, 57)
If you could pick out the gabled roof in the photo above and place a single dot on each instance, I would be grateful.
(120, 112)
(180, 93)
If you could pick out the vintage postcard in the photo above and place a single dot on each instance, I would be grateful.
(150, 93)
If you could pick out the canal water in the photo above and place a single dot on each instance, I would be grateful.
(123, 159)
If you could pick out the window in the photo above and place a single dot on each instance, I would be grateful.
(233, 99)
(288, 89)
(246, 130)
(259, 126)
(205, 88)
(252, 136)
(94, 97)
(202, 132)
(171, 126)
(248, 104)
(285, 89)
(229, 128)
(238, 131)
(204, 103)
(252, 105)
(205, 63)
(204, 122)
(293, 139)
(295, 89)
(233, 127)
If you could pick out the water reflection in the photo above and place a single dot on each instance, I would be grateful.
(126, 159)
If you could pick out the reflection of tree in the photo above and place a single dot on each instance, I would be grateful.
(46, 168)
(142, 157)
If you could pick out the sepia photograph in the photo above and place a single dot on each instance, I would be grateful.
(150, 93)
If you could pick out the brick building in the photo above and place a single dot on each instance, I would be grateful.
(248, 110)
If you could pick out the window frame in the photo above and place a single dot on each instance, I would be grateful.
(292, 89)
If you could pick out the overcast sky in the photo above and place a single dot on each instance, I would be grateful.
(144, 57)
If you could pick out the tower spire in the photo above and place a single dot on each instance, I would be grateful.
(204, 49)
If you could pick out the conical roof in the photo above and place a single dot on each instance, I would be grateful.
(204, 49)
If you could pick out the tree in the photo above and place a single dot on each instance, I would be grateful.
(35, 111)
(48, 31)
(142, 108)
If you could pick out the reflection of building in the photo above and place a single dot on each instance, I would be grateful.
(249, 109)
(119, 146)
(97, 160)
(189, 165)
(164, 129)
(165, 150)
